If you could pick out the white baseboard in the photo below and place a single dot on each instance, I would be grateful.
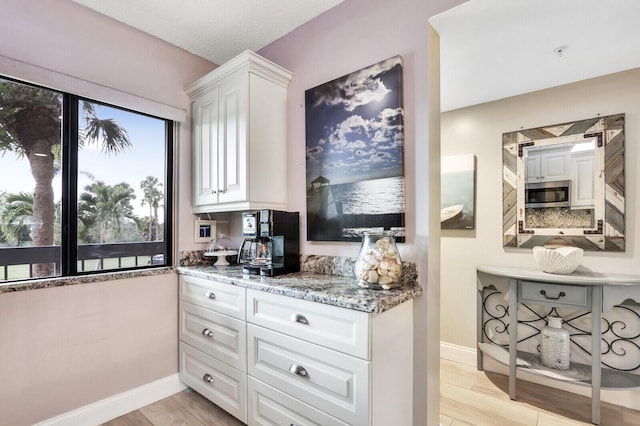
(117, 405)
(628, 398)
(457, 353)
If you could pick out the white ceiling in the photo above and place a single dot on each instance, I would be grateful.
(493, 49)
(216, 30)
(490, 49)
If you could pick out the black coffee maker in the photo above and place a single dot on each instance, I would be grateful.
(270, 229)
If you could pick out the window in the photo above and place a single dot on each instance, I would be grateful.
(83, 185)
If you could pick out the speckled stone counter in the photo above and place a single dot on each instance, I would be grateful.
(83, 279)
(335, 290)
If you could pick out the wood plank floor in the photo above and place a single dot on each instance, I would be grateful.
(467, 397)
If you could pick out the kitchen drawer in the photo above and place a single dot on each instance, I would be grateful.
(218, 335)
(216, 381)
(220, 297)
(268, 406)
(572, 296)
(330, 381)
(344, 330)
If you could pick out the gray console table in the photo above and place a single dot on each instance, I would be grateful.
(588, 291)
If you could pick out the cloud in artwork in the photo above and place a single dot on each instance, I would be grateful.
(356, 89)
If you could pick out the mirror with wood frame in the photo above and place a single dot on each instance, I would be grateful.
(564, 185)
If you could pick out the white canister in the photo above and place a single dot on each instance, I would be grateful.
(555, 344)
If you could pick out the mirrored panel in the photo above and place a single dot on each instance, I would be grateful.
(564, 185)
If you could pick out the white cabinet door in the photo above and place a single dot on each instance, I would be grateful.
(582, 181)
(205, 149)
(532, 168)
(268, 406)
(330, 381)
(215, 380)
(344, 330)
(554, 166)
(232, 150)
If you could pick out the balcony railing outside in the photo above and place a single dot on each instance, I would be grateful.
(90, 257)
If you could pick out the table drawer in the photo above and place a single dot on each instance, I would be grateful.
(216, 381)
(220, 297)
(268, 406)
(330, 381)
(218, 335)
(555, 294)
(344, 330)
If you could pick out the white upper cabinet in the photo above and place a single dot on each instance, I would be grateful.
(239, 133)
(548, 165)
(583, 180)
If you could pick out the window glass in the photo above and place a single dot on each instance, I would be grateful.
(30, 182)
(121, 169)
(80, 195)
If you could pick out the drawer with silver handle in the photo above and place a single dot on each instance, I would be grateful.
(573, 296)
(220, 297)
(344, 330)
(329, 381)
(216, 381)
(218, 335)
(268, 406)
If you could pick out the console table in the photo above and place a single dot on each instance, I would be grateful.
(588, 291)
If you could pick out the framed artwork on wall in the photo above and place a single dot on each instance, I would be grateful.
(457, 192)
(354, 154)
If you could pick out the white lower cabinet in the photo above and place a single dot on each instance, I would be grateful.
(333, 382)
(279, 360)
(215, 380)
(270, 407)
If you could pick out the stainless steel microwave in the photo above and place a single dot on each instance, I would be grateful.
(548, 194)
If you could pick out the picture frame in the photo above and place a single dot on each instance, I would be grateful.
(354, 128)
(204, 230)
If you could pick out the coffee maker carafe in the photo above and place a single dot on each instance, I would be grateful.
(271, 246)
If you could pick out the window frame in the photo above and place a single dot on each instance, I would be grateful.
(68, 260)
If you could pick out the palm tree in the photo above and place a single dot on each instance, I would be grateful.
(16, 217)
(105, 207)
(152, 190)
(30, 126)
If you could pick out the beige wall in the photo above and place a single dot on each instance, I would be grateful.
(63, 348)
(478, 130)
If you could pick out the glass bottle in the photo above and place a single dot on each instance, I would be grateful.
(378, 265)
(555, 350)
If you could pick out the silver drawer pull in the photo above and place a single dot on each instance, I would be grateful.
(299, 318)
(207, 378)
(210, 295)
(298, 370)
(544, 293)
(207, 332)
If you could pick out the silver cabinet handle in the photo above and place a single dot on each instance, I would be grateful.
(299, 318)
(210, 295)
(207, 378)
(207, 332)
(221, 191)
(214, 191)
(298, 370)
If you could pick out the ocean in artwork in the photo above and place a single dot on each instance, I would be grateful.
(347, 210)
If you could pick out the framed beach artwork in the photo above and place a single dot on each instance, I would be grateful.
(354, 154)
(457, 192)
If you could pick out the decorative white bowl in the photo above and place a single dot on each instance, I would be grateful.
(561, 260)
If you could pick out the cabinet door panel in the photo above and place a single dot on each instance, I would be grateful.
(216, 381)
(268, 406)
(220, 297)
(341, 329)
(218, 335)
(334, 383)
(205, 149)
(232, 172)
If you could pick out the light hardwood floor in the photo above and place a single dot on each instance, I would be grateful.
(467, 397)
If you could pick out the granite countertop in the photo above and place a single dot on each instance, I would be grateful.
(328, 289)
